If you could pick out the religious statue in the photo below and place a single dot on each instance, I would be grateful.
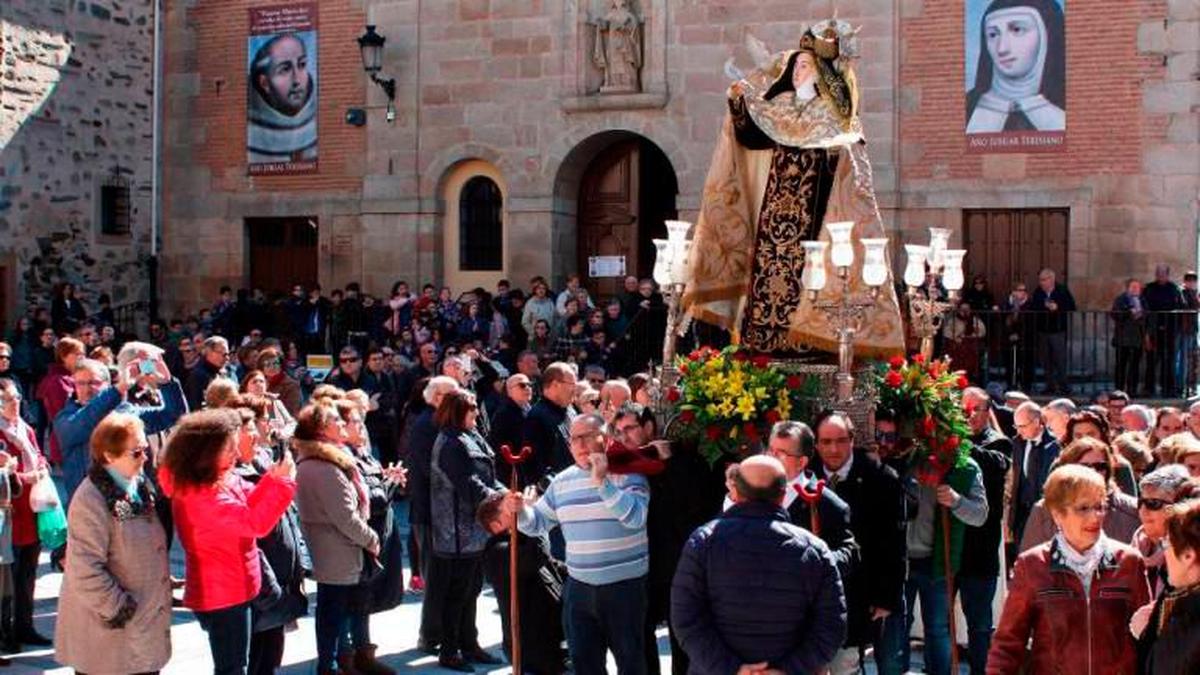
(617, 50)
(790, 157)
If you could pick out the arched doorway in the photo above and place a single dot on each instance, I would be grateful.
(624, 190)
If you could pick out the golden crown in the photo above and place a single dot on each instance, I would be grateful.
(825, 45)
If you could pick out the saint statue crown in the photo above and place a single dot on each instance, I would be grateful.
(826, 45)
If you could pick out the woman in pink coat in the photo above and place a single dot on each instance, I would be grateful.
(218, 516)
(58, 384)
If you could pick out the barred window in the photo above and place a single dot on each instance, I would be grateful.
(480, 225)
(114, 206)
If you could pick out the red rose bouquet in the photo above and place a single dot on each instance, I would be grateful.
(926, 398)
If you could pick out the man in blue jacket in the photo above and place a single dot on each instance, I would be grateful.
(95, 397)
(753, 592)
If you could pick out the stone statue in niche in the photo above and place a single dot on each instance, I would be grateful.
(617, 50)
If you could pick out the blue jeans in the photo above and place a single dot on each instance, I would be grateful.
(891, 647)
(334, 620)
(977, 594)
(228, 637)
(599, 618)
(934, 608)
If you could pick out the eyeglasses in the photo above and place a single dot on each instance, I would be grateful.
(523, 385)
(140, 452)
(271, 362)
(9, 398)
(1094, 509)
(581, 437)
(1151, 504)
(887, 436)
(626, 429)
(350, 359)
(5, 356)
(90, 383)
(1098, 467)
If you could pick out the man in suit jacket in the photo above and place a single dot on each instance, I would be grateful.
(794, 445)
(875, 596)
(1033, 455)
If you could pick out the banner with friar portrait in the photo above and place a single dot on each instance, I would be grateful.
(1016, 76)
(281, 106)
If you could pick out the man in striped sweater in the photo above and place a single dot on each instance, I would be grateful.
(603, 519)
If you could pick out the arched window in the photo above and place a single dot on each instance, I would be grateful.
(480, 225)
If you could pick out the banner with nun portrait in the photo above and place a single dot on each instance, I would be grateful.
(281, 106)
(1016, 76)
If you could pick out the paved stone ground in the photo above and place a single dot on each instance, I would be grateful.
(394, 631)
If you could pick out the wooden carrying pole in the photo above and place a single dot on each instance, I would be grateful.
(949, 589)
(514, 605)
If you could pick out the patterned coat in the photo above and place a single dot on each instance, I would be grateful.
(109, 560)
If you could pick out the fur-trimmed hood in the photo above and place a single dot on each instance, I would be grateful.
(326, 452)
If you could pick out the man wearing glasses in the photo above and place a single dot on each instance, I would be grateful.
(214, 360)
(510, 417)
(95, 397)
(547, 425)
(1033, 455)
(603, 520)
(875, 594)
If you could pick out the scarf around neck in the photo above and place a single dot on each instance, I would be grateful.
(1084, 564)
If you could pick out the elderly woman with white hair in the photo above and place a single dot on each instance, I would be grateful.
(1160, 489)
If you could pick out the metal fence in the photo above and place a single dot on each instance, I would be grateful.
(1151, 355)
(1013, 350)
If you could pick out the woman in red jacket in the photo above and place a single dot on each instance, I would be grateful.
(218, 516)
(1074, 595)
(57, 386)
(19, 441)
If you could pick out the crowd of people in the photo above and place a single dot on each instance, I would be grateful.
(1146, 343)
(809, 556)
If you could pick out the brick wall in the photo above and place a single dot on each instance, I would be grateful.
(1104, 92)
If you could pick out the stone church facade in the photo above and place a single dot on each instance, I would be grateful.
(515, 101)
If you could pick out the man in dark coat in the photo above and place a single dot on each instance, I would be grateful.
(383, 420)
(979, 568)
(547, 427)
(755, 591)
(1054, 303)
(878, 519)
(539, 591)
(509, 419)
(685, 493)
(1162, 297)
(422, 433)
(1033, 454)
(213, 363)
(794, 445)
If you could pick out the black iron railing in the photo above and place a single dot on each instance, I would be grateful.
(1014, 350)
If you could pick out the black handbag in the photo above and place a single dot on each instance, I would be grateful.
(372, 569)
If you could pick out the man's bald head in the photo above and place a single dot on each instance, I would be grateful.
(760, 478)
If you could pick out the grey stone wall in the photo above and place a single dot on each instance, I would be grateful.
(76, 83)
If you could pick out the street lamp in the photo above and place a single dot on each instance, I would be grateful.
(847, 312)
(670, 273)
(370, 47)
(926, 311)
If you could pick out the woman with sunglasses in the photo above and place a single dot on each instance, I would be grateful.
(1120, 519)
(279, 383)
(1071, 598)
(114, 613)
(1087, 423)
(1170, 644)
(1160, 489)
